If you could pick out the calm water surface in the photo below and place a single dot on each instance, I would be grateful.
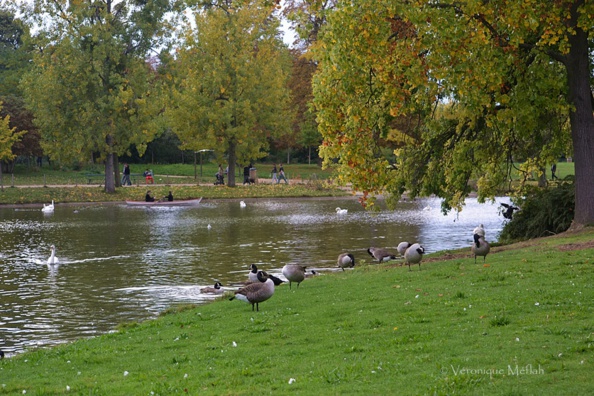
(120, 263)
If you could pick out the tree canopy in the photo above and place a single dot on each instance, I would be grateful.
(232, 95)
(457, 91)
(92, 88)
(15, 56)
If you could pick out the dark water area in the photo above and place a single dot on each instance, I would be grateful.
(120, 264)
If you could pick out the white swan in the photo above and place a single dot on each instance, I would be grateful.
(53, 259)
(342, 211)
(242, 204)
(48, 208)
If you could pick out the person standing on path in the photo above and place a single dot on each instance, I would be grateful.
(273, 173)
(246, 174)
(281, 174)
(126, 177)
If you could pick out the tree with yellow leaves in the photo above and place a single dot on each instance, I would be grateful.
(462, 91)
(8, 137)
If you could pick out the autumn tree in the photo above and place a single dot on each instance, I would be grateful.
(15, 56)
(483, 84)
(91, 88)
(306, 18)
(304, 127)
(8, 137)
(232, 95)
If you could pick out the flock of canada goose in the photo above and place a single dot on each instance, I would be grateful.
(262, 284)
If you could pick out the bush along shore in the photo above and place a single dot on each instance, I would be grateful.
(518, 323)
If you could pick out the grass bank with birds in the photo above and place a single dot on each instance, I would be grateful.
(519, 323)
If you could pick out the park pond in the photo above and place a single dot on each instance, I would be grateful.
(120, 264)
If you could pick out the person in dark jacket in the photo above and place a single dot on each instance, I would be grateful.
(246, 174)
(148, 197)
(126, 177)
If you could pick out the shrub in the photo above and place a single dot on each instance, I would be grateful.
(543, 212)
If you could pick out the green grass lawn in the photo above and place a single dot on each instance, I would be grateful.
(519, 324)
(312, 182)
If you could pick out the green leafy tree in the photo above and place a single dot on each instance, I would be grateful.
(92, 88)
(461, 90)
(233, 94)
(15, 56)
(8, 137)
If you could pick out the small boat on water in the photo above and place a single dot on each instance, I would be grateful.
(183, 202)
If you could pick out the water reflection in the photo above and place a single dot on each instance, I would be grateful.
(119, 263)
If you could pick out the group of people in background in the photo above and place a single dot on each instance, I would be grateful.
(278, 175)
(148, 176)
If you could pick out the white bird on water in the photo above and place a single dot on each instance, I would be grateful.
(53, 259)
(242, 204)
(341, 211)
(48, 208)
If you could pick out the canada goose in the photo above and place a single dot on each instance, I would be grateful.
(381, 255)
(253, 274)
(346, 260)
(216, 289)
(275, 280)
(414, 255)
(48, 208)
(52, 258)
(294, 273)
(508, 213)
(478, 232)
(402, 246)
(342, 211)
(480, 248)
(255, 293)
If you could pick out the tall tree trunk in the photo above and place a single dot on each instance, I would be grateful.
(109, 177)
(582, 124)
(542, 179)
(232, 162)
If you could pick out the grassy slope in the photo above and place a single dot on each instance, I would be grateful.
(455, 327)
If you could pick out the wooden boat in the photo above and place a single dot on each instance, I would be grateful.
(186, 202)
